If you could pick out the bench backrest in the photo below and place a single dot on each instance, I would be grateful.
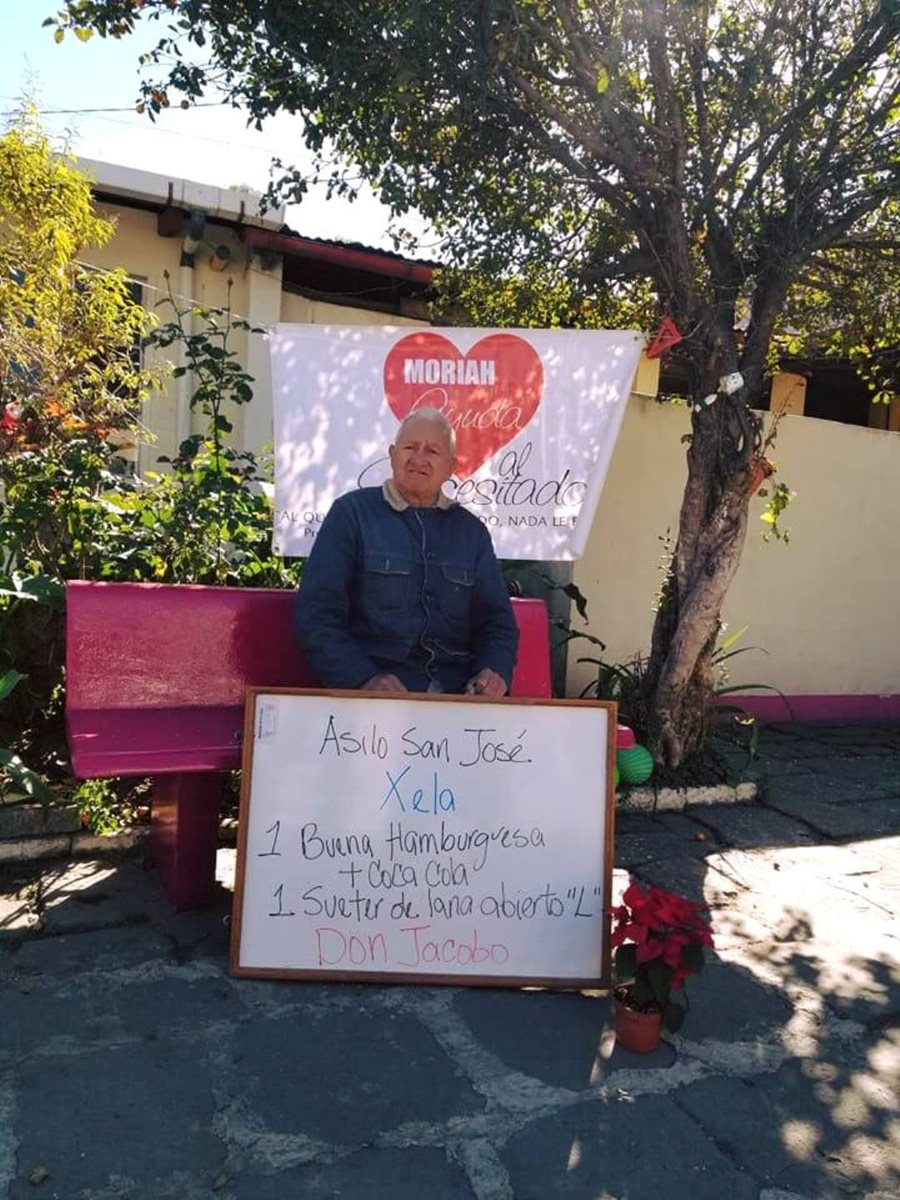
(156, 673)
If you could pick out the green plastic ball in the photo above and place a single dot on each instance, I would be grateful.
(635, 765)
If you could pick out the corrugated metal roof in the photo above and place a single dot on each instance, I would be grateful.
(388, 254)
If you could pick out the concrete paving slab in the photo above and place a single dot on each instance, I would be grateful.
(791, 768)
(832, 815)
(883, 767)
(177, 1003)
(864, 787)
(17, 915)
(384, 1174)
(45, 960)
(796, 739)
(632, 849)
(859, 737)
(97, 894)
(751, 825)
(684, 826)
(383, 1069)
(615, 1150)
(691, 878)
(728, 1003)
(122, 1034)
(57, 1024)
(565, 1041)
(628, 822)
(817, 1128)
(130, 1118)
(833, 885)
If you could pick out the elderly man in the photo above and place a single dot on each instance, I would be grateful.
(402, 590)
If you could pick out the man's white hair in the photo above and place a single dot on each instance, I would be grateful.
(436, 417)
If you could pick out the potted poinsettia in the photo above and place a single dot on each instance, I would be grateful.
(659, 939)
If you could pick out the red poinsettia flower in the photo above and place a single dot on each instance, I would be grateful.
(671, 950)
(679, 976)
(634, 898)
(661, 925)
(669, 908)
(650, 949)
(629, 932)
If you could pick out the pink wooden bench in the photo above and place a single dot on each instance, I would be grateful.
(155, 683)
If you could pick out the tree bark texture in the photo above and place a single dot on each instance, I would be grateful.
(712, 527)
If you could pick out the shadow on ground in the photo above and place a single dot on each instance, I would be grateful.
(784, 1083)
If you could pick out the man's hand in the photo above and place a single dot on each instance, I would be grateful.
(383, 683)
(486, 683)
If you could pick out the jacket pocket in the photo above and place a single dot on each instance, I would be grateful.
(457, 590)
(386, 585)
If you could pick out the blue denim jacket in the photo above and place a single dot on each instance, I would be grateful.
(416, 592)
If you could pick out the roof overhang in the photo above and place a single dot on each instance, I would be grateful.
(372, 261)
(145, 189)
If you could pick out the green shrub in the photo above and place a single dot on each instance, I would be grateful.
(69, 510)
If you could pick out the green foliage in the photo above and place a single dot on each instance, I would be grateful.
(68, 377)
(69, 507)
(725, 722)
(67, 336)
(538, 297)
(210, 516)
(70, 513)
(105, 805)
(575, 154)
(17, 781)
(777, 499)
(622, 682)
(844, 308)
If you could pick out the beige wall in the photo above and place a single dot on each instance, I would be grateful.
(256, 294)
(824, 607)
(146, 256)
(320, 312)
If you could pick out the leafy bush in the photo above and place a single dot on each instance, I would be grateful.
(71, 382)
(70, 510)
(16, 779)
(728, 726)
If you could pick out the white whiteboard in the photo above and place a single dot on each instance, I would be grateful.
(444, 838)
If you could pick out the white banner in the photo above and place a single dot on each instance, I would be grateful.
(536, 412)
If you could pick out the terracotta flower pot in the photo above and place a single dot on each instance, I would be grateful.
(635, 1030)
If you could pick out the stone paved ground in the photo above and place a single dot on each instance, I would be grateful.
(132, 1065)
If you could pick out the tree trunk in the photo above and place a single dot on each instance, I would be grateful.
(712, 527)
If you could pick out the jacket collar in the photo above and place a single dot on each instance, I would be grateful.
(398, 504)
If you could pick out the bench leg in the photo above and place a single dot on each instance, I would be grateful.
(184, 822)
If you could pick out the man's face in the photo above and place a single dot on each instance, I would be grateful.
(421, 462)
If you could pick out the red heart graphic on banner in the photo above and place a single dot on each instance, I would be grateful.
(489, 394)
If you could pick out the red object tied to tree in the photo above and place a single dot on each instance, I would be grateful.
(664, 339)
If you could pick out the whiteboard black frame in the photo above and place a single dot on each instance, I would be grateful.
(599, 982)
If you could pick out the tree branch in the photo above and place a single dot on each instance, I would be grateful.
(872, 40)
(638, 172)
(670, 119)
